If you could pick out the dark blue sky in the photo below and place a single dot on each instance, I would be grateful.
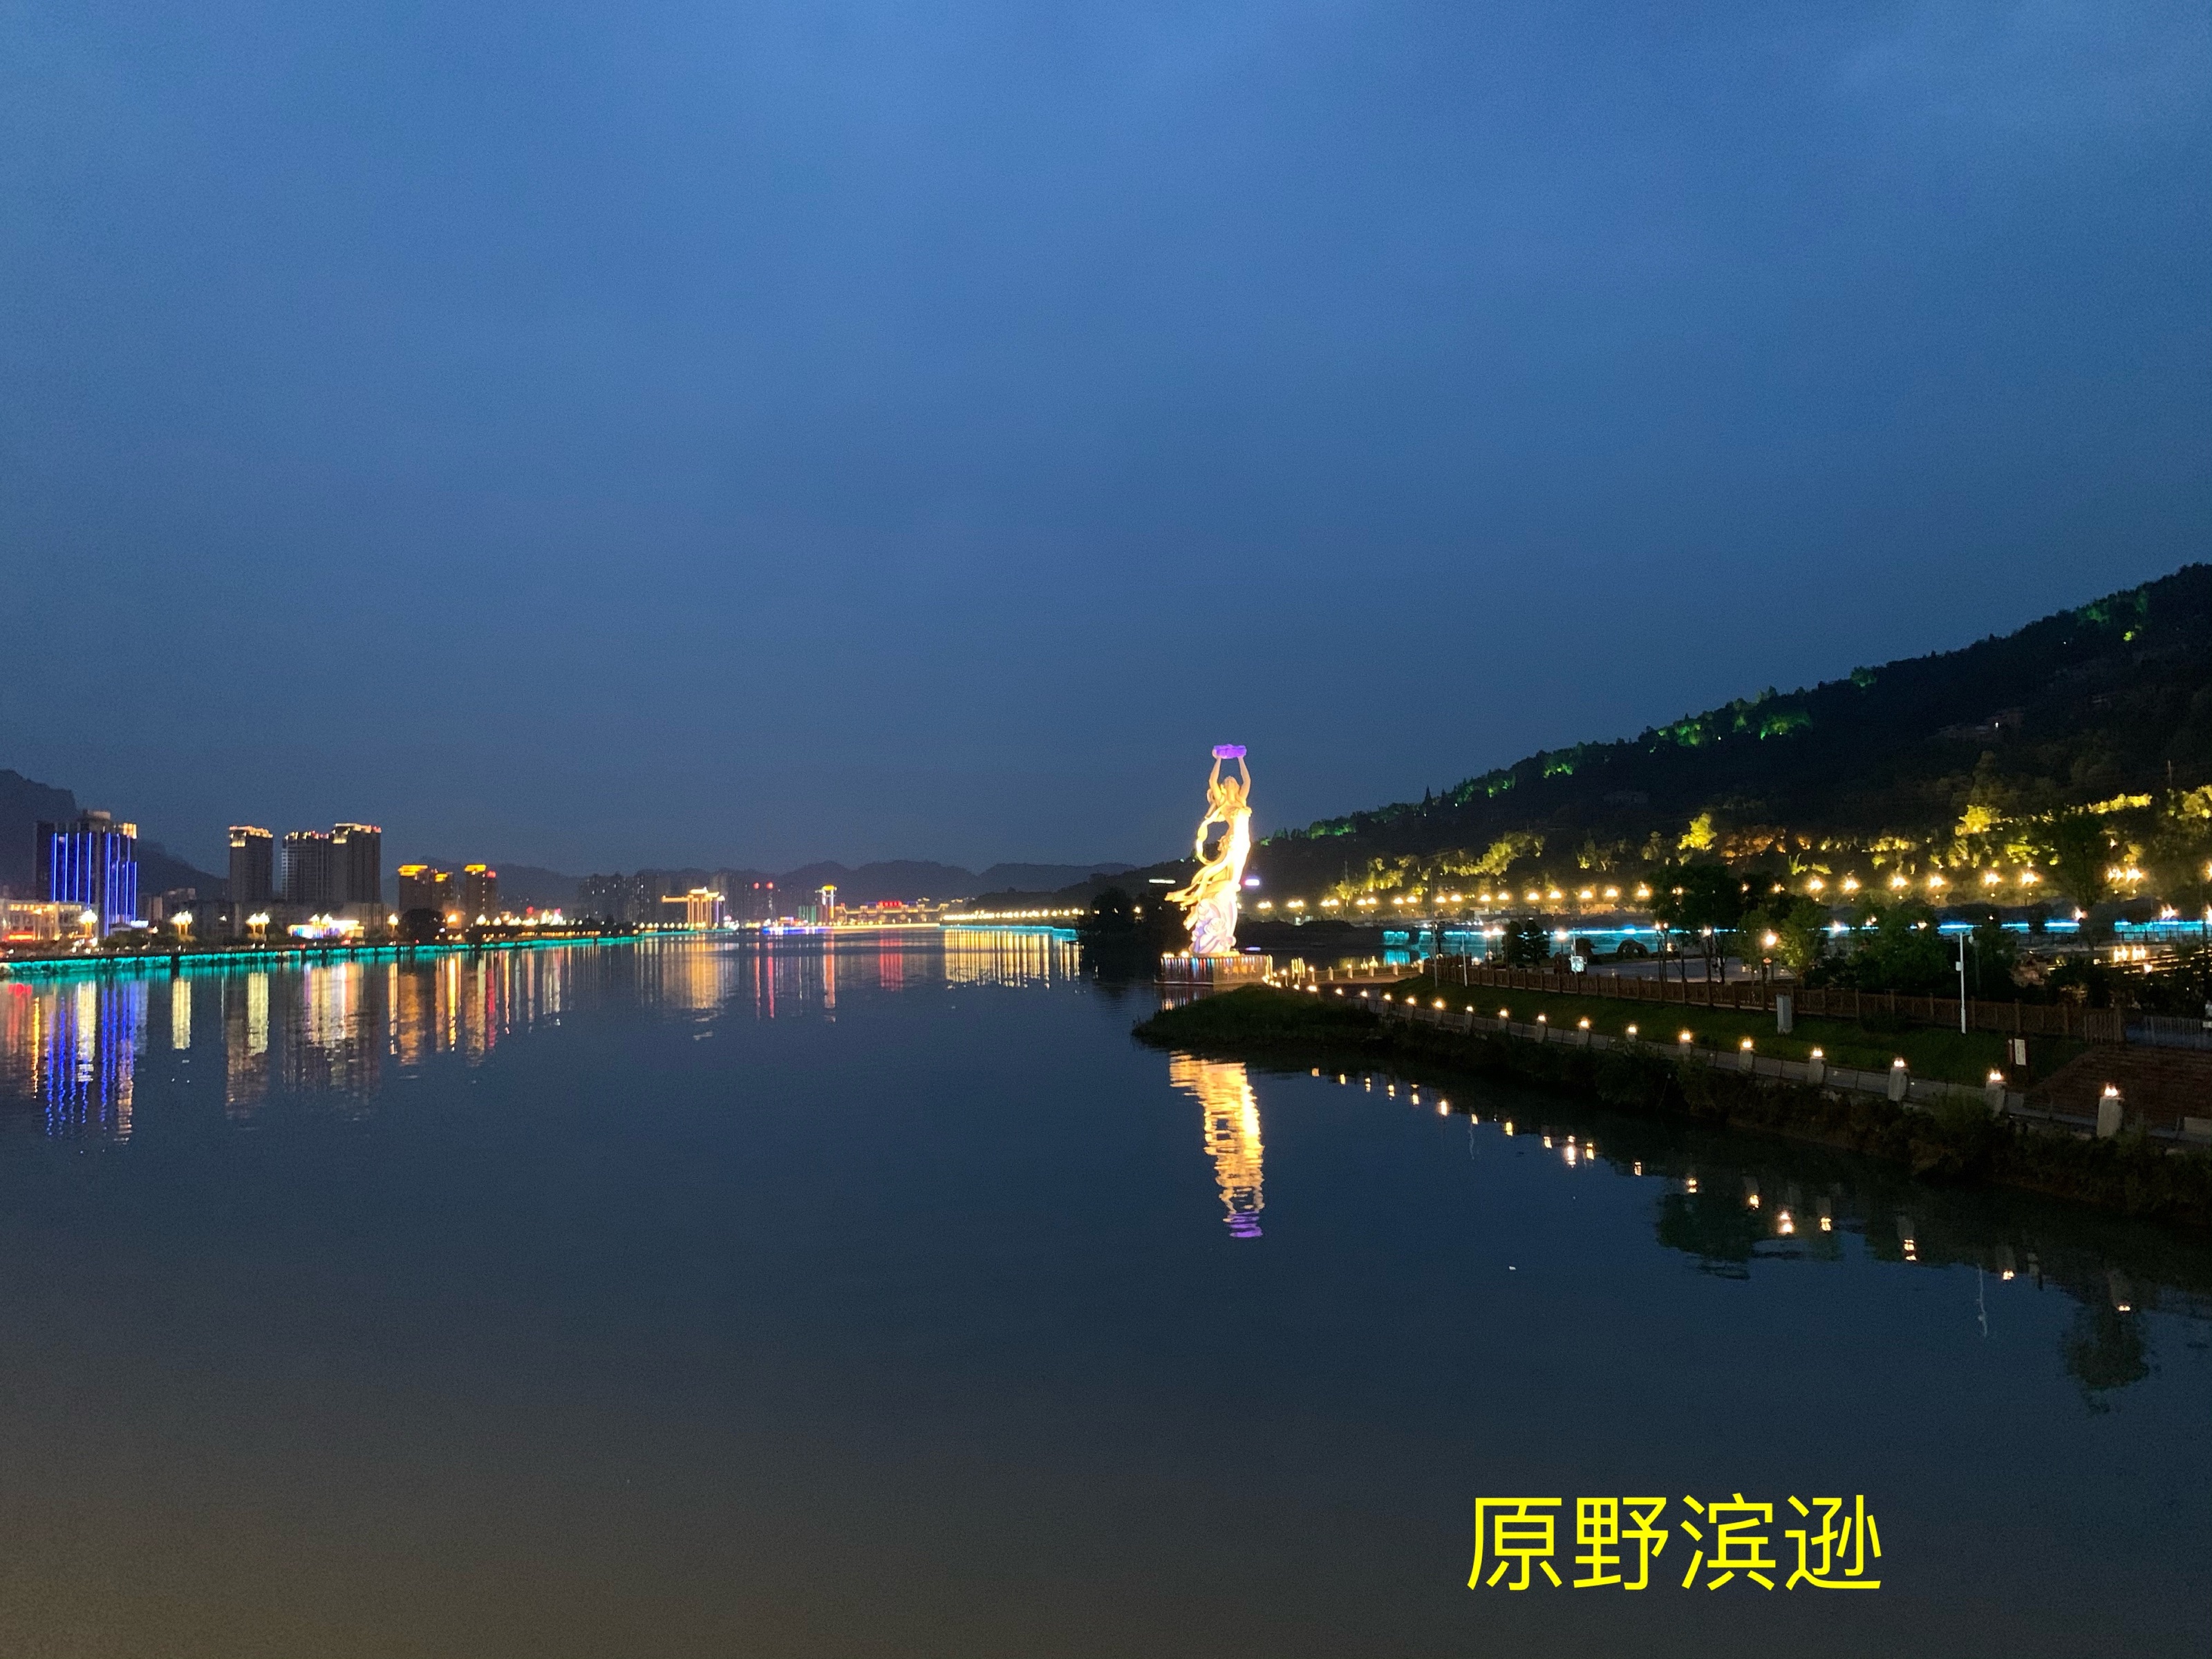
(597, 434)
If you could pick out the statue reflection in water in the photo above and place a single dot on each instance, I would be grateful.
(1232, 1133)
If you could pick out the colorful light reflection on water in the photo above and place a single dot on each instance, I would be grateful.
(75, 1045)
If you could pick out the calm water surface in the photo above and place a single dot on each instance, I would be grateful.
(692, 1299)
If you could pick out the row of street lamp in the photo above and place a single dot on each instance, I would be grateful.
(2027, 878)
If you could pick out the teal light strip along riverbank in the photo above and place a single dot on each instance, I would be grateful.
(169, 962)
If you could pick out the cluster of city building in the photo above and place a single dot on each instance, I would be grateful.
(699, 899)
(691, 899)
(312, 883)
(329, 884)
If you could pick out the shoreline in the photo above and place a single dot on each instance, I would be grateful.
(278, 956)
(314, 953)
(1957, 1143)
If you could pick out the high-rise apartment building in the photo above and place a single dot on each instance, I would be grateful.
(91, 862)
(357, 859)
(755, 901)
(252, 866)
(622, 900)
(306, 876)
(479, 891)
(422, 888)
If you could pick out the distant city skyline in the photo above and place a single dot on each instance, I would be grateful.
(211, 850)
(344, 868)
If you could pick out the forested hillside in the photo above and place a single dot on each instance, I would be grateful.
(2074, 753)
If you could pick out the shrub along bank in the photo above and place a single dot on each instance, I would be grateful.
(1959, 1142)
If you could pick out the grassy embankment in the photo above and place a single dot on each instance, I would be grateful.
(1928, 1051)
(1958, 1141)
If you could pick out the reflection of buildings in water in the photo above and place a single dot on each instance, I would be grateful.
(478, 1011)
(538, 986)
(334, 1031)
(905, 957)
(1007, 956)
(329, 996)
(73, 1046)
(764, 974)
(514, 990)
(23, 1036)
(787, 975)
(692, 973)
(333, 1025)
(899, 958)
(790, 978)
(466, 1004)
(245, 1039)
(1224, 1092)
(412, 993)
(88, 1035)
(782, 979)
(448, 1004)
(890, 963)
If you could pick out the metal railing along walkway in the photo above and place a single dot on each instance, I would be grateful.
(1895, 1084)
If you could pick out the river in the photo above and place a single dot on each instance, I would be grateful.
(885, 1299)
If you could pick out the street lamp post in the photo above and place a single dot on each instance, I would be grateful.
(1962, 984)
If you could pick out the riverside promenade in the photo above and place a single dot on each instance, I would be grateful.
(1896, 1084)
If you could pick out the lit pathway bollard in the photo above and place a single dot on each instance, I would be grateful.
(1901, 1079)
(2108, 1112)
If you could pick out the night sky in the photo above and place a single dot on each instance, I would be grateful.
(620, 434)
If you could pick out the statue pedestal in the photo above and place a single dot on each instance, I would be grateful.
(1184, 969)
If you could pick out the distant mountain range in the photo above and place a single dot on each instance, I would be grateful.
(905, 880)
(868, 884)
(24, 803)
(910, 879)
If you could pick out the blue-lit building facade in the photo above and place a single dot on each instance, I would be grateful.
(91, 862)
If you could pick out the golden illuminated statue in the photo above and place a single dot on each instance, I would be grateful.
(1209, 900)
